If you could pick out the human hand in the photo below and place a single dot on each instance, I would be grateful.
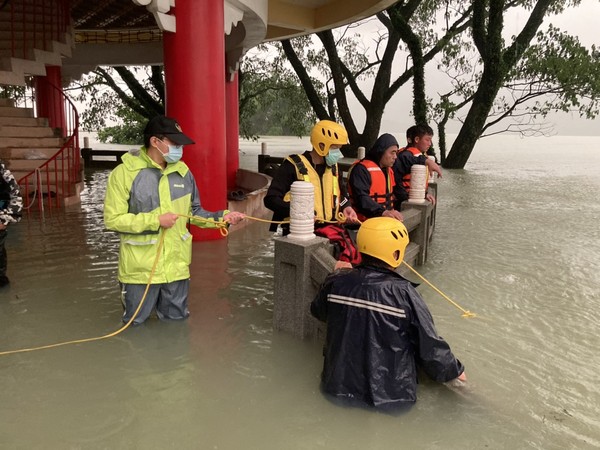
(234, 217)
(431, 198)
(3, 226)
(434, 167)
(350, 214)
(393, 214)
(167, 220)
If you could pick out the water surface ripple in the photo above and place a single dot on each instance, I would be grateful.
(517, 242)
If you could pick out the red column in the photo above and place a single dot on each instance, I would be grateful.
(48, 100)
(194, 59)
(233, 130)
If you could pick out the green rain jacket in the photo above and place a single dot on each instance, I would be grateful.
(138, 192)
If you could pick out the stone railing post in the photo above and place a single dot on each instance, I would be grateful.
(418, 184)
(360, 153)
(301, 261)
(302, 211)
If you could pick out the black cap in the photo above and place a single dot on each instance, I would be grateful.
(165, 126)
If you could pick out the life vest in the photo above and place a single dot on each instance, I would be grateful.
(344, 246)
(327, 189)
(381, 189)
(406, 178)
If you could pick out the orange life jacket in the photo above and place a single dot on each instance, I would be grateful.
(381, 190)
(406, 178)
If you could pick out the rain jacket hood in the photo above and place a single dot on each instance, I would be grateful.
(382, 143)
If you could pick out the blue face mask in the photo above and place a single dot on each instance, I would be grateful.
(175, 153)
(333, 156)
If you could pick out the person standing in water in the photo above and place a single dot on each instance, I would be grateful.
(147, 195)
(379, 329)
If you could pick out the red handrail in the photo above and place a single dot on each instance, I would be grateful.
(57, 177)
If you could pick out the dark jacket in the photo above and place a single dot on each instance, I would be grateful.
(360, 180)
(378, 330)
(281, 185)
(405, 159)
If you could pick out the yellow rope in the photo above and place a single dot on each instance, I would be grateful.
(222, 226)
(340, 218)
(106, 336)
(466, 314)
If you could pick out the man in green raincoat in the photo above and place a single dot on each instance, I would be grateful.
(147, 195)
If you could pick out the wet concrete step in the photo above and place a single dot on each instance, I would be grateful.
(28, 153)
(23, 121)
(8, 131)
(11, 111)
(36, 142)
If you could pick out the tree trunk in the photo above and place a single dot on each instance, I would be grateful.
(474, 122)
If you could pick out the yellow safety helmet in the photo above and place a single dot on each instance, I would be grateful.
(328, 133)
(383, 238)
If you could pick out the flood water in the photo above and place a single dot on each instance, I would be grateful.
(517, 241)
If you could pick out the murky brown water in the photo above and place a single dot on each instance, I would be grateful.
(517, 241)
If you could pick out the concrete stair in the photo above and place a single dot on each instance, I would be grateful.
(26, 142)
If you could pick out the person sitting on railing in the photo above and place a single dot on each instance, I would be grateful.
(371, 181)
(149, 194)
(319, 167)
(11, 205)
(379, 329)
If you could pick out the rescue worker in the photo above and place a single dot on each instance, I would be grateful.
(379, 329)
(371, 181)
(145, 197)
(319, 167)
(11, 205)
(419, 138)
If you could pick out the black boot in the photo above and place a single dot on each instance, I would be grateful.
(3, 281)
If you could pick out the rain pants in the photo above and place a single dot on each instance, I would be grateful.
(138, 192)
(379, 330)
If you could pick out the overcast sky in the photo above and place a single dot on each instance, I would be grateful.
(582, 21)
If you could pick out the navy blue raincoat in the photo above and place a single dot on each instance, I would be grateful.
(379, 330)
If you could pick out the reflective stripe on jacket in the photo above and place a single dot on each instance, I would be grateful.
(138, 192)
(327, 189)
(379, 330)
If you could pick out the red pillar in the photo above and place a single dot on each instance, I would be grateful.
(233, 130)
(194, 59)
(48, 100)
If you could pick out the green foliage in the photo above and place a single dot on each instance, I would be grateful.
(560, 74)
(271, 99)
(118, 101)
(129, 131)
(554, 72)
(16, 93)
